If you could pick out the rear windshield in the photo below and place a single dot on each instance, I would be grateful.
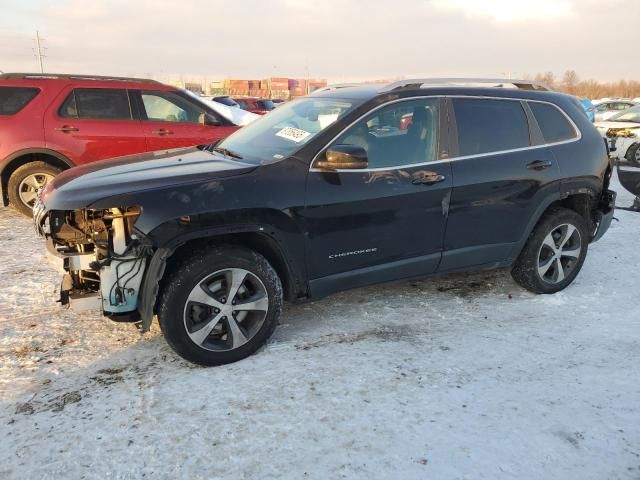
(14, 99)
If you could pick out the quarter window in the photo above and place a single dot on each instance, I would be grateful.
(168, 107)
(402, 133)
(14, 99)
(97, 103)
(554, 125)
(486, 126)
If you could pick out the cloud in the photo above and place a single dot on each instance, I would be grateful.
(342, 40)
(509, 10)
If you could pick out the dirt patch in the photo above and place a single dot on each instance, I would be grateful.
(108, 376)
(56, 404)
(382, 334)
(64, 400)
(26, 350)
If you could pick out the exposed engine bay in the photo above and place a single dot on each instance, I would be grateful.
(103, 258)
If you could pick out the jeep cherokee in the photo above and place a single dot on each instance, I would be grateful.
(349, 186)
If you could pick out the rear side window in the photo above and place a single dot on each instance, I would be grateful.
(554, 125)
(14, 99)
(486, 126)
(97, 103)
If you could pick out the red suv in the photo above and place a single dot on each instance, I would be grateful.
(255, 105)
(49, 123)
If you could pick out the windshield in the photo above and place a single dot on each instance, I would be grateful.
(285, 130)
(631, 115)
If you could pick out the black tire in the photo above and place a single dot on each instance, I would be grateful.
(192, 272)
(526, 269)
(37, 168)
(633, 154)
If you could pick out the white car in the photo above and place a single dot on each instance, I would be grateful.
(622, 131)
(235, 115)
(609, 108)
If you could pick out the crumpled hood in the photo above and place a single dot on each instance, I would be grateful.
(81, 186)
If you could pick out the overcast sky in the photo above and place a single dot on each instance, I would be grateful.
(343, 40)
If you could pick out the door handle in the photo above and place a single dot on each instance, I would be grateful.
(539, 165)
(428, 179)
(162, 132)
(66, 129)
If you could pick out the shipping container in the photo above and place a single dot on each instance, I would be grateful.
(278, 83)
(259, 93)
(281, 94)
(297, 84)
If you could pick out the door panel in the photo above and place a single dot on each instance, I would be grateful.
(172, 121)
(355, 220)
(386, 221)
(69, 131)
(492, 202)
(494, 195)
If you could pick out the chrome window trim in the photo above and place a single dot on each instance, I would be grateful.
(577, 138)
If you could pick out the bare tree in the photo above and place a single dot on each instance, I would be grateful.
(570, 81)
(593, 89)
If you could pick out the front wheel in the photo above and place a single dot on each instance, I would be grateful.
(220, 305)
(554, 253)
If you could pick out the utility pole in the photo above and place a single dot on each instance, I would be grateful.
(39, 50)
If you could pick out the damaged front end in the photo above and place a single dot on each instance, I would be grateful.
(102, 256)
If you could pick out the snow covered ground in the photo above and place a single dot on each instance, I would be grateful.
(462, 377)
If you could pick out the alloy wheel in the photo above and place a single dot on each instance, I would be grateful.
(31, 185)
(559, 253)
(226, 309)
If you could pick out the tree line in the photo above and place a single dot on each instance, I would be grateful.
(572, 84)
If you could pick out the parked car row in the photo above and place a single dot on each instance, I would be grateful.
(609, 108)
(622, 131)
(343, 188)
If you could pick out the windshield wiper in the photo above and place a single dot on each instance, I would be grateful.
(227, 153)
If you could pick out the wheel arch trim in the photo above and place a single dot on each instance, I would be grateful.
(540, 211)
(291, 276)
(8, 162)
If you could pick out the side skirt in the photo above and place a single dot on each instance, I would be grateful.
(386, 272)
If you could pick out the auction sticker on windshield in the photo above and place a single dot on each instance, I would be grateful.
(293, 134)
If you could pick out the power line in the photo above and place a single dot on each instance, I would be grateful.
(39, 50)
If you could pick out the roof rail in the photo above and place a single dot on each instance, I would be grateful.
(73, 76)
(337, 86)
(495, 82)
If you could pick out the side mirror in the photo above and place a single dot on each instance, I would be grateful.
(344, 157)
(209, 120)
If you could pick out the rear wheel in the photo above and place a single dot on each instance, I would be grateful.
(554, 253)
(26, 182)
(220, 305)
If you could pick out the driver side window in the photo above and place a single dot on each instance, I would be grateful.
(166, 107)
(402, 133)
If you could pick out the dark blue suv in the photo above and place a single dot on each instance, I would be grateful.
(350, 186)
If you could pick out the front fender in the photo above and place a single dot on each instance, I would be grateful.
(280, 237)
